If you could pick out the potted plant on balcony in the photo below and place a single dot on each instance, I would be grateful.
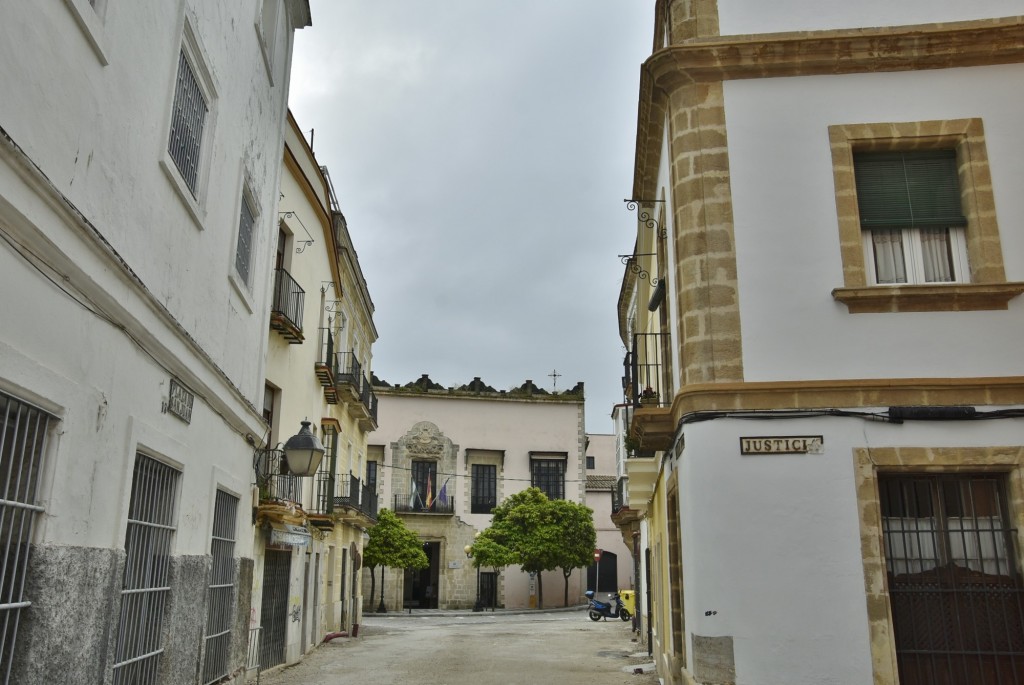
(648, 396)
(631, 444)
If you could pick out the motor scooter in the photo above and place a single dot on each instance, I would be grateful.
(599, 609)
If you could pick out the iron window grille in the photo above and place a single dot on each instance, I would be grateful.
(955, 590)
(187, 121)
(549, 476)
(371, 475)
(145, 591)
(219, 614)
(485, 488)
(243, 250)
(23, 434)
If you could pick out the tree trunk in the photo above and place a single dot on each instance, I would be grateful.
(373, 583)
(565, 574)
(540, 590)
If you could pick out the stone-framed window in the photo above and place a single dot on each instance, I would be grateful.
(983, 284)
(547, 472)
(872, 467)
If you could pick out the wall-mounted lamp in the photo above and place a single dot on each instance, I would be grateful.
(303, 451)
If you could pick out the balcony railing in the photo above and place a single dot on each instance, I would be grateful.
(325, 488)
(286, 308)
(350, 371)
(273, 479)
(353, 384)
(620, 495)
(326, 366)
(645, 382)
(404, 503)
(356, 494)
(369, 400)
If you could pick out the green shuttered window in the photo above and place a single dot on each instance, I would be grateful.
(908, 189)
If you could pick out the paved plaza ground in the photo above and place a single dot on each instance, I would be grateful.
(463, 648)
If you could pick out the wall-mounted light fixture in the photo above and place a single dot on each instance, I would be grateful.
(303, 451)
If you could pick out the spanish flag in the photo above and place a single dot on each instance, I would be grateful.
(430, 493)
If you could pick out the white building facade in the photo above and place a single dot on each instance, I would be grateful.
(825, 392)
(443, 458)
(139, 169)
(309, 529)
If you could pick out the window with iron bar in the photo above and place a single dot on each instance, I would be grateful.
(549, 476)
(146, 590)
(23, 433)
(485, 488)
(243, 248)
(187, 121)
(219, 612)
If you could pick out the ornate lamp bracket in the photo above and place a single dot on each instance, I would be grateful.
(305, 243)
(630, 261)
(644, 216)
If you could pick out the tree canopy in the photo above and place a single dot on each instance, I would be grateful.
(538, 534)
(392, 544)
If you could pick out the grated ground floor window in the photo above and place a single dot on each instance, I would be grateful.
(219, 614)
(23, 433)
(145, 592)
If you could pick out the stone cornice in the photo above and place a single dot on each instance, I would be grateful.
(656, 427)
(842, 51)
(848, 393)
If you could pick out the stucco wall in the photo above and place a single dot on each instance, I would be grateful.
(779, 559)
(787, 241)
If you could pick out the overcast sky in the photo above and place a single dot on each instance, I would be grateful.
(481, 150)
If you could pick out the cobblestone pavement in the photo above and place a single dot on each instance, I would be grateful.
(463, 648)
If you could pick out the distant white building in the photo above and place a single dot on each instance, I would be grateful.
(443, 458)
(140, 155)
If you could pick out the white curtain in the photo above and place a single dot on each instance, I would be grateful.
(976, 543)
(936, 254)
(890, 265)
(910, 544)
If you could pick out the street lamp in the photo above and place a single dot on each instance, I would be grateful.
(304, 452)
(468, 549)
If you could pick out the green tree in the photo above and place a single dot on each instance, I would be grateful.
(391, 544)
(578, 538)
(526, 526)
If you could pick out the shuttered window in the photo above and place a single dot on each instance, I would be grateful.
(911, 217)
(910, 189)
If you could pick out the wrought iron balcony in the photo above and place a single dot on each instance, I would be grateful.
(646, 383)
(286, 307)
(620, 495)
(355, 389)
(273, 479)
(368, 398)
(414, 504)
(326, 366)
(355, 495)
